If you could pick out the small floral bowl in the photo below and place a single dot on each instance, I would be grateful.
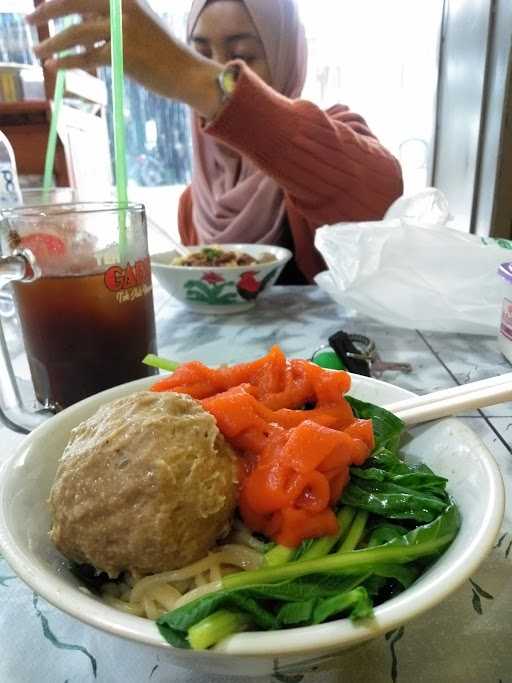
(220, 289)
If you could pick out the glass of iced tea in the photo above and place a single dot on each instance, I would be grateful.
(81, 280)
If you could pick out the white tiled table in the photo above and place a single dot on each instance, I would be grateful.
(465, 640)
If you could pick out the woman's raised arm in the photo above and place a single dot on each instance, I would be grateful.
(329, 164)
(152, 55)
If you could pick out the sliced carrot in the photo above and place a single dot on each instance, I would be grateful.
(341, 411)
(362, 453)
(165, 384)
(233, 375)
(269, 490)
(311, 370)
(296, 394)
(188, 373)
(293, 418)
(331, 386)
(198, 390)
(337, 484)
(316, 493)
(272, 453)
(248, 462)
(233, 410)
(274, 484)
(252, 519)
(336, 416)
(362, 429)
(341, 456)
(272, 376)
(274, 524)
(296, 525)
(320, 524)
(309, 444)
(254, 439)
(294, 462)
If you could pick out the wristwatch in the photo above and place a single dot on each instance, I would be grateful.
(227, 81)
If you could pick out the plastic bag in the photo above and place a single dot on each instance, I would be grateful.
(411, 270)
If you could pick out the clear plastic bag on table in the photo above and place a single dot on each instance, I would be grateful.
(412, 270)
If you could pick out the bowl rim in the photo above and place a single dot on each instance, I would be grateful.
(318, 639)
(283, 256)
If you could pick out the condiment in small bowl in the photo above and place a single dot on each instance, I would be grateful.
(505, 331)
(221, 289)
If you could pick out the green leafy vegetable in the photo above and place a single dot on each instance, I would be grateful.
(385, 465)
(320, 547)
(204, 622)
(315, 611)
(358, 600)
(278, 554)
(174, 626)
(312, 590)
(296, 613)
(385, 532)
(387, 428)
(370, 559)
(215, 627)
(307, 587)
(405, 574)
(303, 549)
(355, 533)
(159, 362)
(423, 541)
(389, 487)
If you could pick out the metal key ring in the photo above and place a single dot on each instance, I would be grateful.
(367, 354)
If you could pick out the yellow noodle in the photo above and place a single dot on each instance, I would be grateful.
(188, 572)
(152, 596)
(125, 606)
(165, 595)
(152, 611)
(184, 586)
(242, 536)
(199, 580)
(240, 556)
(237, 555)
(215, 574)
(198, 593)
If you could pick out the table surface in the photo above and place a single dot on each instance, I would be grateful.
(466, 639)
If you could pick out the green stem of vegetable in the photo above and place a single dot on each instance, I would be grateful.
(339, 603)
(161, 363)
(323, 546)
(278, 555)
(355, 533)
(358, 559)
(215, 627)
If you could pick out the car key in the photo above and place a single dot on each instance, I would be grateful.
(379, 366)
(357, 354)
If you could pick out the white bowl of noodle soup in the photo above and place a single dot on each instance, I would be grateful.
(449, 447)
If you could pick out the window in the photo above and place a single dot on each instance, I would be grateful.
(157, 130)
(379, 58)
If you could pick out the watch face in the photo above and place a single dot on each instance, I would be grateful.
(228, 81)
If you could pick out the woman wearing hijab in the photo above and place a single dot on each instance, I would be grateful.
(268, 167)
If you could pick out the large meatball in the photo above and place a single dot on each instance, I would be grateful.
(145, 485)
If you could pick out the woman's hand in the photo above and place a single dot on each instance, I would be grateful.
(152, 56)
